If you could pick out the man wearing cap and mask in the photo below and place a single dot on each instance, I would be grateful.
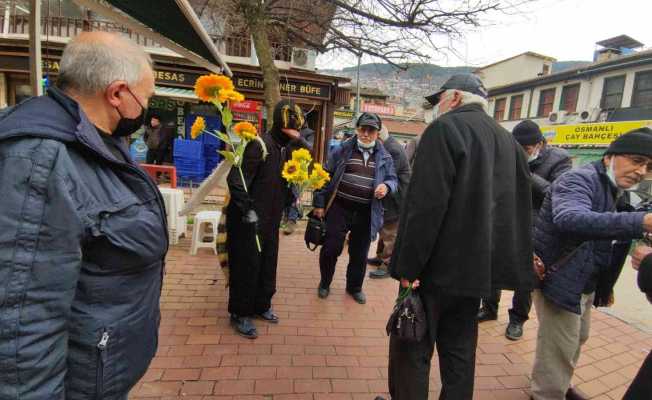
(362, 174)
(259, 209)
(583, 239)
(84, 233)
(465, 229)
(546, 164)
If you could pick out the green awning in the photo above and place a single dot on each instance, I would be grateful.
(177, 93)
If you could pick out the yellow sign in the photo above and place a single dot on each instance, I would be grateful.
(602, 133)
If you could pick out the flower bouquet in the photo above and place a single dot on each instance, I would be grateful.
(219, 90)
(304, 174)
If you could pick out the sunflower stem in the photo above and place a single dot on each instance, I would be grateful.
(244, 184)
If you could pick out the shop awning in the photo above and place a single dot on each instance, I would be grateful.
(172, 23)
(176, 93)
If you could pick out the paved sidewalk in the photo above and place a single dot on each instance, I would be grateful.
(336, 349)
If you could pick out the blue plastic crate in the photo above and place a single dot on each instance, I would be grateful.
(211, 150)
(188, 149)
(189, 167)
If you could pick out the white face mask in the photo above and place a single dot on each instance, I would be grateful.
(366, 146)
(610, 172)
(429, 115)
(534, 155)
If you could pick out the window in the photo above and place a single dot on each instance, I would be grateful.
(515, 107)
(612, 92)
(499, 110)
(569, 96)
(642, 89)
(546, 69)
(546, 101)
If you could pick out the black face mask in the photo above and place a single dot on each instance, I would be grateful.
(127, 126)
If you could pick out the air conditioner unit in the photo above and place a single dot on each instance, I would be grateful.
(558, 117)
(590, 115)
(303, 58)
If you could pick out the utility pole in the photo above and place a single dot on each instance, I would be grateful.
(35, 67)
(357, 89)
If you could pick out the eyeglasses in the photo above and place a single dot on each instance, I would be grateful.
(639, 161)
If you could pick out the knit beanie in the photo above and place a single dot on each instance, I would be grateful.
(637, 141)
(527, 133)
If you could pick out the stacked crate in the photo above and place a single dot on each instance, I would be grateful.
(189, 160)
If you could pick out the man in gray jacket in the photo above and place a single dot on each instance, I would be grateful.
(546, 164)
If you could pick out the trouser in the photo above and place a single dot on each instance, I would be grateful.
(153, 156)
(641, 387)
(560, 338)
(386, 242)
(521, 305)
(343, 217)
(292, 212)
(453, 327)
(252, 274)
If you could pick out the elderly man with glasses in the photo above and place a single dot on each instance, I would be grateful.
(582, 238)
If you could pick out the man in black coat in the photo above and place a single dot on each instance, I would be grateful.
(252, 279)
(546, 164)
(392, 204)
(641, 387)
(465, 229)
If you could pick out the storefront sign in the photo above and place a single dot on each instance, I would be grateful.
(175, 78)
(590, 134)
(295, 88)
(343, 114)
(378, 109)
(250, 106)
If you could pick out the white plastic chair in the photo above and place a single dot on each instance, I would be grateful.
(199, 233)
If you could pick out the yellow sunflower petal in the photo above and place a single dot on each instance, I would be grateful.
(209, 87)
(197, 127)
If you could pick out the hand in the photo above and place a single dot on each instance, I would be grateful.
(647, 222)
(318, 213)
(291, 133)
(405, 283)
(381, 191)
(250, 217)
(639, 253)
(539, 268)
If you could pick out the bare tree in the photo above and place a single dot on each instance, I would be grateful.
(394, 31)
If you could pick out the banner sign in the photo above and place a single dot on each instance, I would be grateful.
(602, 133)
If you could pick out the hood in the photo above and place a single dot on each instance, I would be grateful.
(287, 114)
(54, 116)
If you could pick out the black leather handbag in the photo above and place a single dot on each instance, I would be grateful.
(408, 319)
(315, 232)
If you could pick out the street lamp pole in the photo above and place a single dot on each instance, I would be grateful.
(357, 89)
(35, 69)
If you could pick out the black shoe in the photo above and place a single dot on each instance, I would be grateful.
(376, 261)
(486, 315)
(244, 327)
(380, 273)
(574, 394)
(323, 293)
(268, 316)
(290, 227)
(514, 331)
(359, 297)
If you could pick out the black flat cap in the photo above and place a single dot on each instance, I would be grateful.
(464, 82)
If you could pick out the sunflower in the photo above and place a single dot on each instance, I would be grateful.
(292, 172)
(301, 155)
(197, 127)
(319, 177)
(209, 87)
(230, 95)
(245, 130)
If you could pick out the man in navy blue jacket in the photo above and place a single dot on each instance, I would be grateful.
(583, 239)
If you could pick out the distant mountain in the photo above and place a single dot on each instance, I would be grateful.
(417, 71)
(560, 66)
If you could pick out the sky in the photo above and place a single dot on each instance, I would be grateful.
(563, 29)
